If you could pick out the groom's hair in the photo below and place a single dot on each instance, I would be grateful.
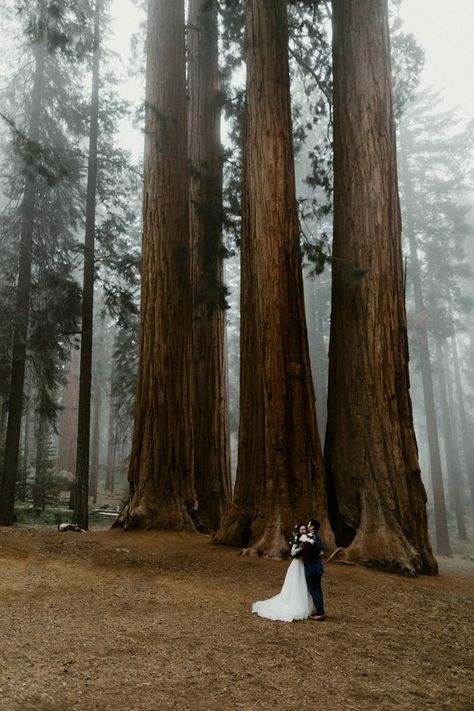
(314, 522)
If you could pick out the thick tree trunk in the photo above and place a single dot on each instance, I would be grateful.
(210, 403)
(467, 444)
(81, 496)
(161, 477)
(377, 499)
(452, 455)
(280, 478)
(20, 333)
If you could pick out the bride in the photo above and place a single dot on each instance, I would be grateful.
(293, 602)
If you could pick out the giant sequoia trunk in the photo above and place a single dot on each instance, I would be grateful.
(161, 468)
(377, 499)
(22, 305)
(280, 475)
(210, 403)
(81, 492)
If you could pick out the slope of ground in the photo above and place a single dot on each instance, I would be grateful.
(156, 621)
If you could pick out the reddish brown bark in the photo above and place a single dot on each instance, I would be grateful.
(280, 474)
(210, 405)
(376, 493)
(161, 478)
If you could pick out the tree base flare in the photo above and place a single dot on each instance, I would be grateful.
(241, 531)
(141, 518)
(385, 550)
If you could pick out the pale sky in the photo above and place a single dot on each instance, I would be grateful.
(444, 29)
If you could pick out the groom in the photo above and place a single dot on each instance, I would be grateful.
(313, 568)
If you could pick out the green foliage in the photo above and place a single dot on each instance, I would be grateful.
(408, 58)
(64, 26)
(58, 165)
(32, 517)
(41, 489)
(435, 181)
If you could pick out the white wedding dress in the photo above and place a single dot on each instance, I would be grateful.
(293, 602)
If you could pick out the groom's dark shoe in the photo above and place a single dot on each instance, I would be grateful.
(318, 618)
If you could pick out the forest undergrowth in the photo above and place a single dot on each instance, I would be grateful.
(155, 621)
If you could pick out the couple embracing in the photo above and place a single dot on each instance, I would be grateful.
(301, 596)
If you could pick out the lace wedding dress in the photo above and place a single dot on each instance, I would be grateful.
(293, 602)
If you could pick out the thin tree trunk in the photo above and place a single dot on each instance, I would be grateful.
(468, 447)
(318, 351)
(377, 499)
(453, 411)
(109, 476)
(67, 443)
(95, 444)
(81, 498)
(39, 486)
(439, 503)
(162, 493)
(452, 454)
(280, 478)
(28, 417)
(210, 403)
(3, 427)
(22, 306)
(99, 356)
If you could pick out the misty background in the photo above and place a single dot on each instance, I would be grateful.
(436, 172)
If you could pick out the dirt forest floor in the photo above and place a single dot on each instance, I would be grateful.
(156, 621)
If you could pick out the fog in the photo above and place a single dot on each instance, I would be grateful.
(436, 171)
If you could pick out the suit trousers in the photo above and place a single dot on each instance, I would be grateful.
(315, 590)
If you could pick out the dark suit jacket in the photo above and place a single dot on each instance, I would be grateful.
(313, 564)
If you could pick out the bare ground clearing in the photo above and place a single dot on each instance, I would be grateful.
(156, 621)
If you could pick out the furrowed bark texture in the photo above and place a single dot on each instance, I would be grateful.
(377, 499)
(161, 469)
(280, 474)
(210, 403)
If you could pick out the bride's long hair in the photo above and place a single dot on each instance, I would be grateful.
(296, 531)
